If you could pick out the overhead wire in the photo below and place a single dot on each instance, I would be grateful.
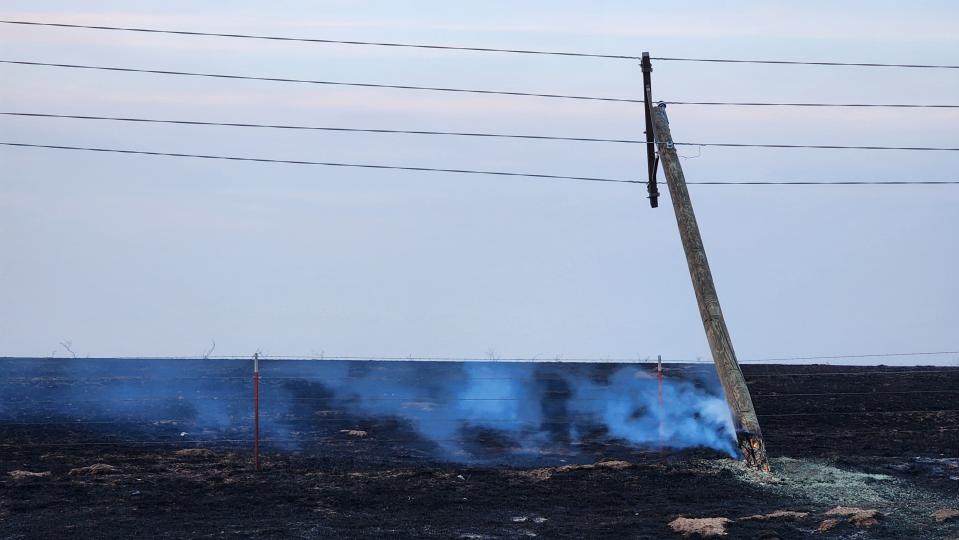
(31, 403)
(467, 171)
(798, 104)
(326, 41)
(466, 48)
(453, 133)
(848, 356)
(313, 81)
(321, 163)
(640, 361)
(386, 418)
(373, 440)
(821, 182)
(322, 128)
(803, 63)
(461, 90)
(846, 413)
(908, 372)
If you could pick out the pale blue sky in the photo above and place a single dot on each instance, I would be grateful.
(152, 256)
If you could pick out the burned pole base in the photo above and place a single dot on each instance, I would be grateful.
(753, 449)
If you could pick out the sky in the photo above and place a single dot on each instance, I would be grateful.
(148, 256)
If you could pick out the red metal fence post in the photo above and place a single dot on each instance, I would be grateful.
(659, 380)
(256, 411)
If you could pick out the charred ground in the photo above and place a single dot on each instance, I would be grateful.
(868, 437)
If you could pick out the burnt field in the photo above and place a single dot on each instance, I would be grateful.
(109, 448)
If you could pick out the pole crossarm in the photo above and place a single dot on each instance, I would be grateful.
(651, 159)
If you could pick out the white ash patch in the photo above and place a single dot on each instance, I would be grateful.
(826, 485)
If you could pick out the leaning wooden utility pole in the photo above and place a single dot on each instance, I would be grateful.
(748, 435)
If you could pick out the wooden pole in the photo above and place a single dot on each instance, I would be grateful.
(748, 435)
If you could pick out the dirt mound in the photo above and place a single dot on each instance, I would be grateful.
(828, 525)
(859, 517)
(944, 515)
(93, 470)
(26, 475)
(194, 452)
(704, 527)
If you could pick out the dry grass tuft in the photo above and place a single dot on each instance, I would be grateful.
(27, 475)
(944, 515)
(93, 470)
(704, 527)
(859, 517)
(194, 452)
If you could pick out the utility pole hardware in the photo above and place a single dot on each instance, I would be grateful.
(651, 160)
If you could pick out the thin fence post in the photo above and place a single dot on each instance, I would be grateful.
(662, 411)
(256, 411)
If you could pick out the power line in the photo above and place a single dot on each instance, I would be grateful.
(311, 81)
(559, 359)
(328, 41)
(31, 403)
(768, 104)
(386, 418)
(843, 356)
(855, 413)
(802, 63)
(634, 361)
(952, 371)
(814, 146)
(461, 90)
(464, 48)
(280, 378)
(820, 394)
(458, 133)
(471, 171)
(375, 440)
(823, 183)
(324, 128)
(321, 163)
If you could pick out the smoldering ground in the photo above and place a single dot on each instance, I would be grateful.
(839, 436)
(473, 412)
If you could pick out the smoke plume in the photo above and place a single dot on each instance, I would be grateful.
(466, 412)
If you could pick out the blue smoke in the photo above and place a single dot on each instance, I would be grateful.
(466, 412)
